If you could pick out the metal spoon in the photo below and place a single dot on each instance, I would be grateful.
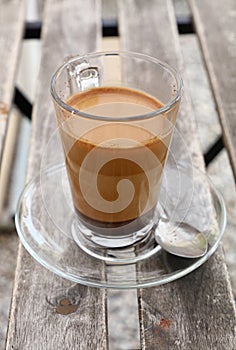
(180, 239)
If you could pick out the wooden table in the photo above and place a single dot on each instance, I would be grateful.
(196, 312)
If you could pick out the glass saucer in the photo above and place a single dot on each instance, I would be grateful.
(45, 213)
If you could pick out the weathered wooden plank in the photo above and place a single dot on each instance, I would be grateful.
(49, 312)
(12, 14)
(215, 24)
(196, 312)
(8, 250)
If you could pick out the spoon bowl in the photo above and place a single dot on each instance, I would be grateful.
(180, 239)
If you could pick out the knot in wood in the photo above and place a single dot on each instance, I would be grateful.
(65, 307)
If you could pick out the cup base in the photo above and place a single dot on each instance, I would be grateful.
(124, 250)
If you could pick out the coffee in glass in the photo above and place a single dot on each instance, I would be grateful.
(116, 127)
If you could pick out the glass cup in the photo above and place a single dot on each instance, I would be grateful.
(116, 113)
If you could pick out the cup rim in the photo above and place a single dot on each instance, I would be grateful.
(166, 107)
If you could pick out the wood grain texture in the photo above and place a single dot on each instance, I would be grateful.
(49, 312)
(215, 24)
(196, 312)
(8, 251)
(12, 15)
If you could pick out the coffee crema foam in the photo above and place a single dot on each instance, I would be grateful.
(114, 168)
